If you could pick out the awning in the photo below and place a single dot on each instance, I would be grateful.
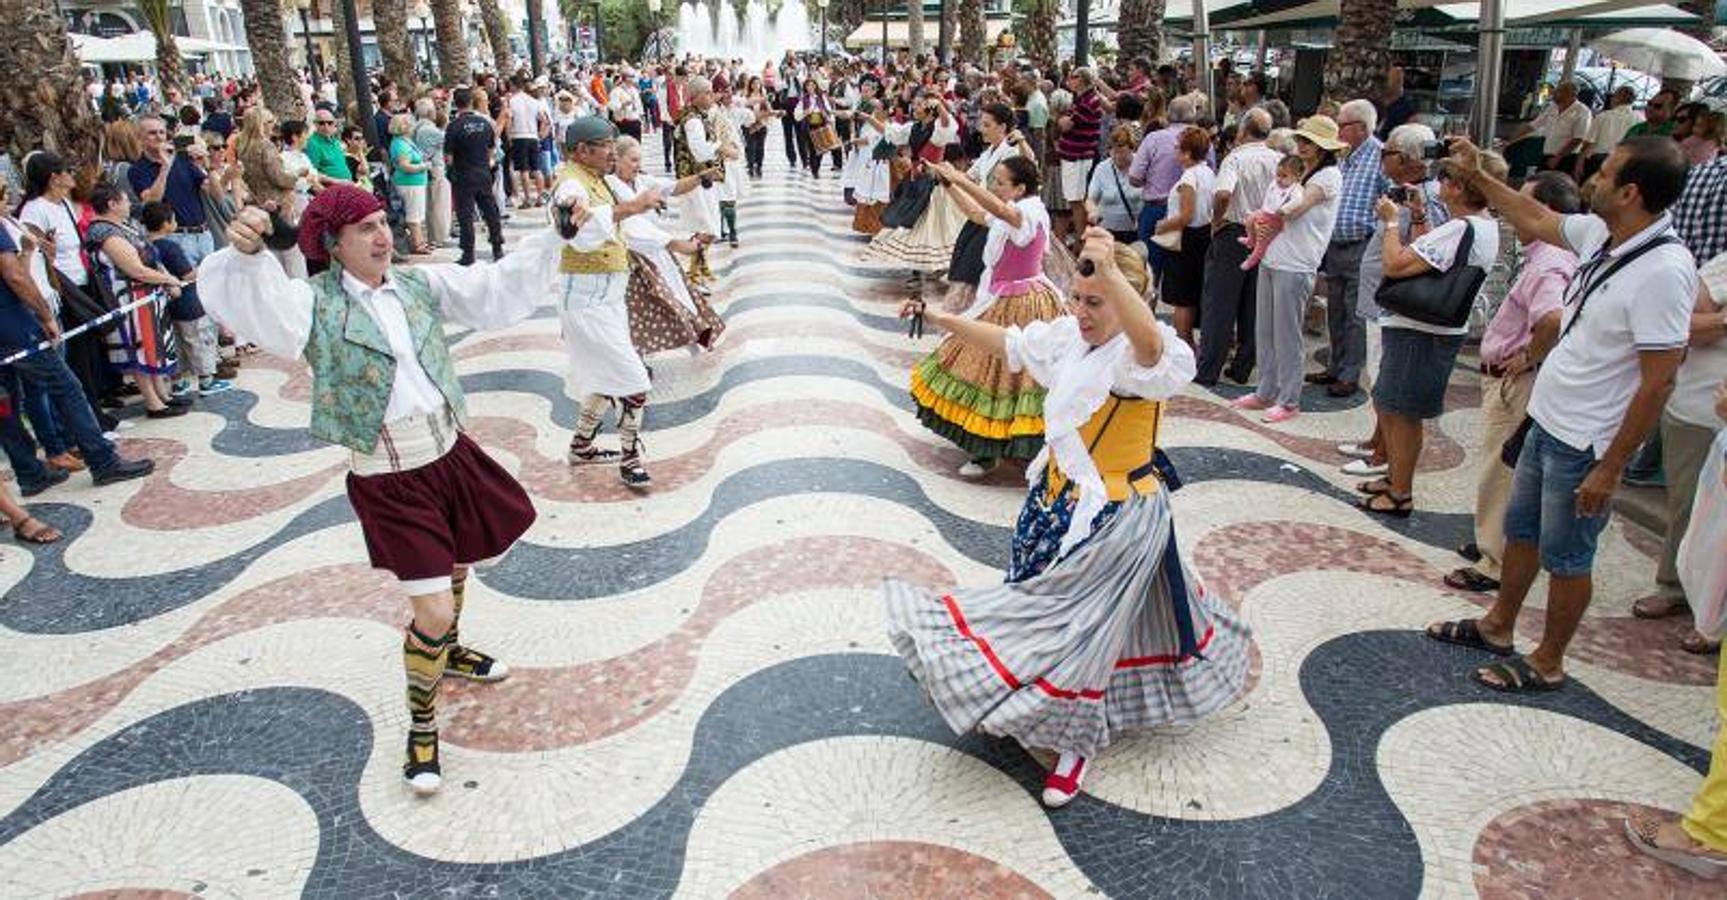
(1432, 14)
(868, 34)
(139, 46)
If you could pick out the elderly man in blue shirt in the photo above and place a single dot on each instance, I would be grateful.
(1363, 184)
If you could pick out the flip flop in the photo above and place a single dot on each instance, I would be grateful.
(1467, 633)
(1704, 865)
(1471, 579)
(1698, 644)
(43, 533)
(1519, 677)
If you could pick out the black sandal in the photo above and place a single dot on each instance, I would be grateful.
(1400, 507)
(1375, 487)
(1518, 677)
(1467, 633)
(1471, 579)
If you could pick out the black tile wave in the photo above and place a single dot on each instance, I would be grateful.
(1346, 839)
(537, 572)
(53, 599)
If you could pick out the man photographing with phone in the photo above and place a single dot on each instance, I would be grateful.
(166, 172)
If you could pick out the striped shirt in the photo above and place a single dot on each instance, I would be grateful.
(1079, 141)
(1363, 183)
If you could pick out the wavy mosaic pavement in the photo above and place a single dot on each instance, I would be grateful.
(203, 698)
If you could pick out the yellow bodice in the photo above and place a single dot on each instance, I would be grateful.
(1122, 438)
(613, 256)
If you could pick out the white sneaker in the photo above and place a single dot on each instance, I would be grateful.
(1355, 450)
(1362, 467)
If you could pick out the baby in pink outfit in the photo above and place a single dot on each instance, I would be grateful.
(1285, 194)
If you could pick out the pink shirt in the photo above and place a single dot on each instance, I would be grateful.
(1538, 290)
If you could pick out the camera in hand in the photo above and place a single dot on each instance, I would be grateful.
(1436, 150)
(183, 141)
(283, 236)
(1398, 193)
(564, 221)
(1087, 268)
(707, 181)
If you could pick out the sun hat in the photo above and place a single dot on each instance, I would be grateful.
(1321, 130)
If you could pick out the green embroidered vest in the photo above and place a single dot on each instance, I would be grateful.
(353, 369)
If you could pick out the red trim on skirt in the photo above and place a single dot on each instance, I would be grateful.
(1043, 684)
(422, 523)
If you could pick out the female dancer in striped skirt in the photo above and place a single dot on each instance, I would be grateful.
(1099, 628)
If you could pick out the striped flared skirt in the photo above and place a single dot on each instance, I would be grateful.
(1116, 635)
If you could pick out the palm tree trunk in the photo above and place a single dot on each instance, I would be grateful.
(267, 39)
(49, 110)
(1140, 24)
(971, 31)
(914, 27)
(1040, 33)
(1357, 65)
(498, 36)
(345, 89)
(170, 70)
(452, 43)
(1704, 28)
(390, 22)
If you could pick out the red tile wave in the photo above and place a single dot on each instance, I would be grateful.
(1238, 558)
(162, 505)
(546, 708)
(1576, 848)
(345, 591)
(889, 870)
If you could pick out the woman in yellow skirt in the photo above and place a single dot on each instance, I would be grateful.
(969, 396)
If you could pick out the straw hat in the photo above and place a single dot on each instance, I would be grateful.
(1321, 130)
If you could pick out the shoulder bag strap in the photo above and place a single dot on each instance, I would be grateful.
(1591, 282)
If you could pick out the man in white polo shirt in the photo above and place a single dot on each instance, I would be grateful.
(1597, 396)
(1563, 126)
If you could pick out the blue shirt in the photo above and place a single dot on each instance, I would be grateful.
(1363, 183)
(183, 190)
(18, 325)
(186, 307)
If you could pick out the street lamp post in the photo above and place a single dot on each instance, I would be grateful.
(362, 82)
(823, 5)
(884, 6)
(305, 7)
(654, 7)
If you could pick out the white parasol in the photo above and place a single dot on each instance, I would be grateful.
(1663, 52)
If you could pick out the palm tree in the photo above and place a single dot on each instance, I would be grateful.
(452, 42)
(498, 36)
(345, 90)
(1705, 10)
(1140, 24)
(971, 31)
(914, 27)
(1357, 64)
(390, 22)
(49, 110)
(268, 42)
(170, 72)
(1039, 32)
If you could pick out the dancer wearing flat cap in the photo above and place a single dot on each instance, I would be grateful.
(430, 502)
(592, 287)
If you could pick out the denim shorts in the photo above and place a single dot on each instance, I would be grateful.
(1543, 507)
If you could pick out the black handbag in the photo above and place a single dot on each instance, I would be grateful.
(909, 201)
(1437, 298)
